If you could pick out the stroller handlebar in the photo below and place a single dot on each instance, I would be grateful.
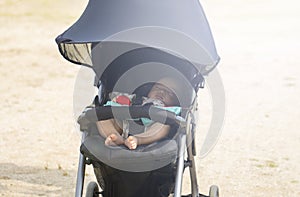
(94, 114)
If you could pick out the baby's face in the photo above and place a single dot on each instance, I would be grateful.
(163, 94)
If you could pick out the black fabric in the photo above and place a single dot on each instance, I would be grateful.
(183, 22)
(131, 112)
(128, 60)
(158, 183)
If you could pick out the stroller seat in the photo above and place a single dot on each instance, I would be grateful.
(153, 156)
(149, 170)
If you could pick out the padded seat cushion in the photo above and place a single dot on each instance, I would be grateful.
(144, 158)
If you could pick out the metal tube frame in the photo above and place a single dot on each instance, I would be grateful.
(191, 154)
(193, 174)
(80, 171)
(185, 144)
(180, 166)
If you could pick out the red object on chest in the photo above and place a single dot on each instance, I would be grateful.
(123, 100)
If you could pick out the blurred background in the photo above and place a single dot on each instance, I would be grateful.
(258, 152)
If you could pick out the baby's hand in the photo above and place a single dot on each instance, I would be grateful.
(131, 142)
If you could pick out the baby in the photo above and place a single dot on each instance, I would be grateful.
(159, 95)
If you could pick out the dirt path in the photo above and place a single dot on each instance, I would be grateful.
(256, 155)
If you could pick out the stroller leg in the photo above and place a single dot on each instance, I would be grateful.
(80, 173)
(180, 166)
(193, 173)
(80, 176)
(192, 166)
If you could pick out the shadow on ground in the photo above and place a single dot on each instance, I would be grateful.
(35, 181)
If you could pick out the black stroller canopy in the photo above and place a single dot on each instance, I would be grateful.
(176, 27)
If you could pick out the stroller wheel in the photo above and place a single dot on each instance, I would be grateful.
(92, 190)
(213, 191)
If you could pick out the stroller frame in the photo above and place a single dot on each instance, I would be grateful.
(194, 56)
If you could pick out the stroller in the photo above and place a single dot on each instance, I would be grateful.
(132, 64)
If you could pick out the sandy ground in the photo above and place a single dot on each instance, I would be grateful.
(258, 152)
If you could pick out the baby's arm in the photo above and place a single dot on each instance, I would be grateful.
(153, 133)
